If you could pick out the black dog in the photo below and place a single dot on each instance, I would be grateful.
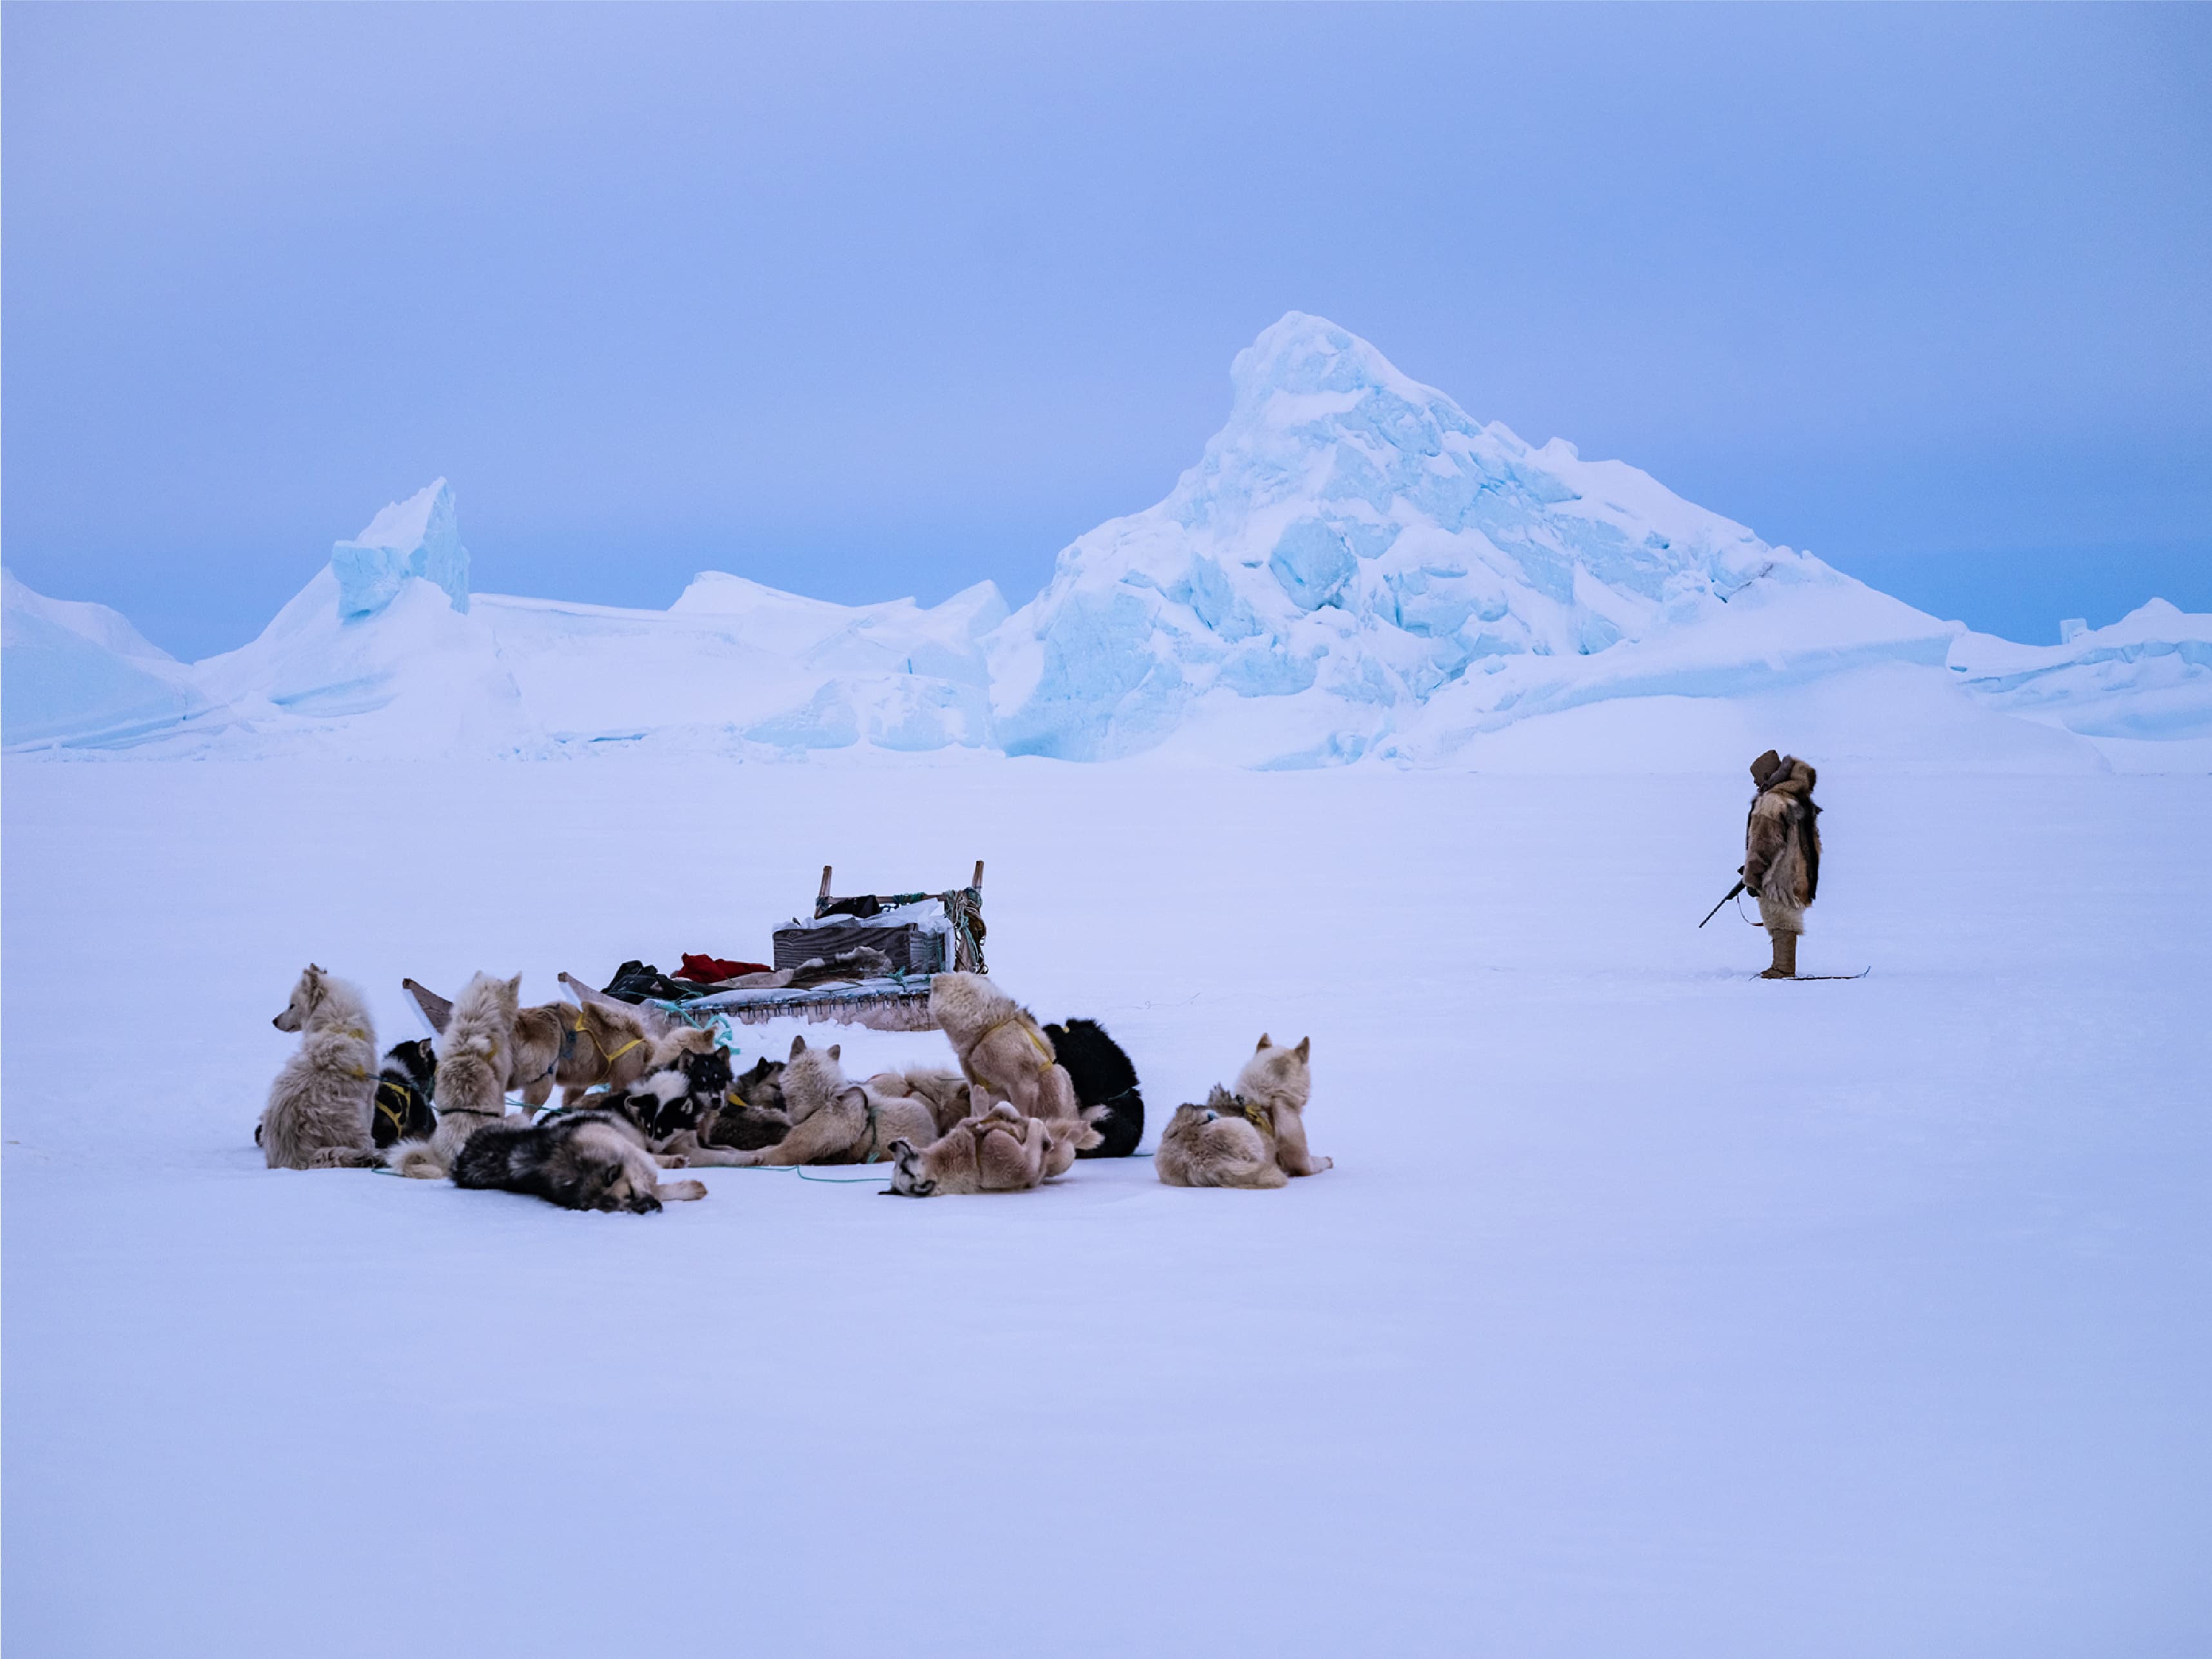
(1103, 1076)
(668, 1101)
(580, 1160)
(403, 1111)
(753, 1116)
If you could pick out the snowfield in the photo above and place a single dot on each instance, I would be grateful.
(1649, 1310)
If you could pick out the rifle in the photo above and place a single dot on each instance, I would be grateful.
(1725, 897)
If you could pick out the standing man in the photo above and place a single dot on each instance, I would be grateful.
(1781, 854)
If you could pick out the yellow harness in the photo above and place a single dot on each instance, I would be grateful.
(584, 1031)
(1029, 1030)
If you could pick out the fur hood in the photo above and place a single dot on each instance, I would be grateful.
(1784, 775)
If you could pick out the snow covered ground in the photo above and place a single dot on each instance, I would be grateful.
(1649, 1310)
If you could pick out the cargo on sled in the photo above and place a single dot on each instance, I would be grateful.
(862, 959)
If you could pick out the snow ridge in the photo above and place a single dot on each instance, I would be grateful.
(1354, 570)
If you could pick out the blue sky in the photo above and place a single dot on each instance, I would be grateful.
(866, 302)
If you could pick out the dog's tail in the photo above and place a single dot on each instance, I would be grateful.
(416, 1158)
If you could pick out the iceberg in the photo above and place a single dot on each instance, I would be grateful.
(418, 536)
(2147, 676)
(1354, 571)
(1390, 576)
(76, 674)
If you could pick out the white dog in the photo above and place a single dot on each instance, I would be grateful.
(320, 1107)
(475, 1054)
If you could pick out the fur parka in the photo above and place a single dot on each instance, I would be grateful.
(1782, 842)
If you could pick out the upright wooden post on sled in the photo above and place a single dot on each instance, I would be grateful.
(978, 882)
(822, 897)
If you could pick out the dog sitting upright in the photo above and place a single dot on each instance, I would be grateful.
(834, 1122)
(1003, 1051)
(320, 1107)
(1280, 1080)
(403, 1093)
(475, 1050)
(579, 1160)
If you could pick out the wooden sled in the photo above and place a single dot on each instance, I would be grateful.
(898, 1002)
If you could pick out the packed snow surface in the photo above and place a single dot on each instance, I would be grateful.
(1355, 569)
(1650, 1308)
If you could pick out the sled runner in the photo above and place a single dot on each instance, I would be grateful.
(1799, 978)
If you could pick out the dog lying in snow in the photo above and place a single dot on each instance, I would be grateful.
(600, 1044)
(1004, 1053)
(1001, 1151)
(475, 1053)
(679, 1102)
(1103, 1077)
(751, 1116)
(319, 1111)
(1225, 1143)
(1255, 1137)
(834, 1121)
(579, 1160)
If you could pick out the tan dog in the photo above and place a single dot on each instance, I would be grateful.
(1226, 1142)
(836, 1121)
(475, 1057)
(1278, 1081)
(1003, 1052)
(945, 1093)
(319, 1111)
(602, 1044)
(1001, 1151)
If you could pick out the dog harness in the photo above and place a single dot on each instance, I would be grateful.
(1029, 1030)
(582, 1029)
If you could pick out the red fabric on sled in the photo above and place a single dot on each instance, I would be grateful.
(706, 970)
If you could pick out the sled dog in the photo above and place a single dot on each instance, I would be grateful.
(579, 1160)
(945, 1093)
(752, 1115)
(470, 1084)
(404, 1092)
(1001, 1151)
(600, 1043)
(1278, 1080)
(1227, 1142)
(320, 1107)
(834, 1122)
(1103, 1076)
(1003, 1051)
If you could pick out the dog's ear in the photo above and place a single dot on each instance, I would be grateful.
(1266, 1041)
(1305, 1047)
(514, 989)
(900, 1150)
(835, 1049)
(797, 1046)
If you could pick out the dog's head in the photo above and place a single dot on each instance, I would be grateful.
(760, 1084)
(416, 1060)
(307, 996)
(907, 1178)
(709, 1074)
(1277, 1071)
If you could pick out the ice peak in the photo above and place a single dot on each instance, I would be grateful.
(418, 536)
(1301, 353)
